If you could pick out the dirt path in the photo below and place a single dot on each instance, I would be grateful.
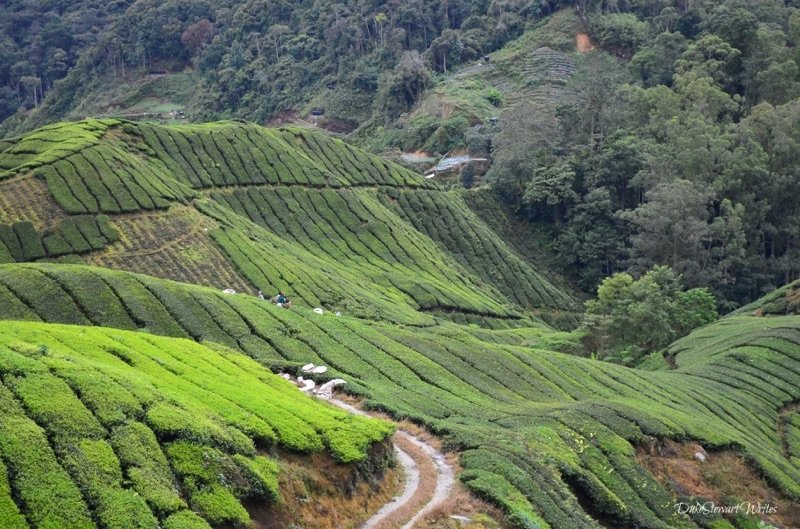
(429, 480)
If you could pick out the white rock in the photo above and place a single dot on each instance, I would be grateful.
(338, 313)
(229, 291)
(700, 456)
(287, 376)
(318, 310)
(307, 368)
(319, 370)
(325, 391)
(308, 385)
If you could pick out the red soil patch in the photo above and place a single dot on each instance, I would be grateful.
(583, 43)
(724, 475)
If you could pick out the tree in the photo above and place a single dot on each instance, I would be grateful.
(672, 228)
(655, 63)
(621, 32)
(380, 20)
(196, 36)
(527, 140)
(446, 47)
(276, 33)
(709, 56)
(631, 318)
(551, 187)
(410, 78)
(593, 240)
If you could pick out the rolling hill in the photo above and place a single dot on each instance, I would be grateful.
(117, 429)
(443, 321)
(536, 429)
(235, 205)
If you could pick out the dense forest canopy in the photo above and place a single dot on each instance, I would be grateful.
(681, 147)
(255, 57)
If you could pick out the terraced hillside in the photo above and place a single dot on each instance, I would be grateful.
(536, 429)
(115, 429)
(235, 205)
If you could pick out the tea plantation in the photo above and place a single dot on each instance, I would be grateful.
(533, 426)
(289, 209)
(109, 428)
(443, 321)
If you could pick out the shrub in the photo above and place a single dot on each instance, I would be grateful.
(52, 500)
(185, 520)
(146, 466)
(10, 517)
(217, 505)
(29, 240)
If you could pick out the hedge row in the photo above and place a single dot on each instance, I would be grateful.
(446, 219)
(50, 144)
(21, 242)
(143, 427)
(488, 392)
(350, 226)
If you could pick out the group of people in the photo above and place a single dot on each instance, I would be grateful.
(279, 299)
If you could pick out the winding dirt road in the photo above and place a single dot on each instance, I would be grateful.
(421, 495)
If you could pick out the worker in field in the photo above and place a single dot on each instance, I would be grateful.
(281, 300)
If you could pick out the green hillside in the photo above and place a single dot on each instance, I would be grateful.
(114, 429)
(536, 429)
(265, 209)
(445, 319)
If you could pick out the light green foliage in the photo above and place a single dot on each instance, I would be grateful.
(192, 395)
(631, 317)
(217, 505)
(185, 520)
(50, 499)
(50, 144)
(96, 470)
(147, 468)
(10, 517)
(499, 395)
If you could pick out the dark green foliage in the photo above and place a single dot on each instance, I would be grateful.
(51, 499)
(29, 241)
(147, 468)
(11, 242)
(43, 295)
(55, 244)
(5, 254)
(75, 235)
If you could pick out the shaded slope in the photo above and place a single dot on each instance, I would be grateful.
(231, 204)
(535, 427)
(121, 429)
(784, 300)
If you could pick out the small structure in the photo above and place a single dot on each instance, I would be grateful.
(454, 165)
